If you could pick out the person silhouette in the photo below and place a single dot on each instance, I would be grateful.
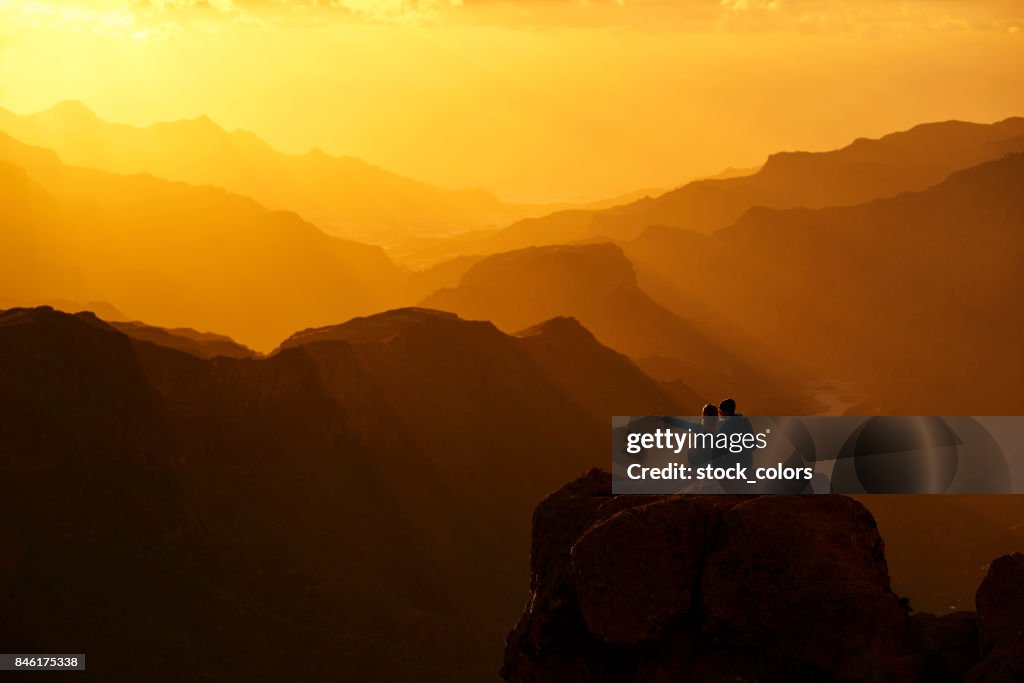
(702, 454)
(736, 423)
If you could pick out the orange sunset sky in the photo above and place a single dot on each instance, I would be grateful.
(532, 99)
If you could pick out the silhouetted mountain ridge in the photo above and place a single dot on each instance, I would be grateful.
(202, 344)
(382, 327)
(326, 505)
(910, 160)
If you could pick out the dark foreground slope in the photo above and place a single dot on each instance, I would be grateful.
(711, 588)
(354, 507)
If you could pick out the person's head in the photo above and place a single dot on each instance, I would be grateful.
(727, 407)
(709, 416)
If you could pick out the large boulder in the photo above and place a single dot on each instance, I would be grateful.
(652, 589)
(1000, 602)
(550, 643)
(805, 578)
(1004, 664)
(626, 601)
(948, 643)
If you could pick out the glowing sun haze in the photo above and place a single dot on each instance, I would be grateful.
(533, 99)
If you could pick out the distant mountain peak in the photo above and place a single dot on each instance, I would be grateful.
(990, 175)
(562, 326)
(200, 129)
(71, 113)
(204, 123)
(194, 342)
(73, 109)
(888, 147)
(410, 313)
(733, 172)
(49, 316)
(382, 327)
(602, 266)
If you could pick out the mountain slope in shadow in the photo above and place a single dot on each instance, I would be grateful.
(596, 284)
(177, 255)
(906, 298)
(202, 344)
(354, 505)
(567, 351)
(866, 169)
(429, 361)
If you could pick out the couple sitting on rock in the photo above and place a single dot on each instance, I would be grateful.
(720, 419)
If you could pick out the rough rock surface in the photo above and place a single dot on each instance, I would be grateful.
(623, 602)
(805, 578)
(999, 599)
(948, 643)
(670, 589)
(1000, 602)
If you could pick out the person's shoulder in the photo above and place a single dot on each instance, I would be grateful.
(738, 423)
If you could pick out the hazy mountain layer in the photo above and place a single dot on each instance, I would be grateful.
(911, 160)
(597, 285)
(344, 195)
(908, 298)
(176, 255)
